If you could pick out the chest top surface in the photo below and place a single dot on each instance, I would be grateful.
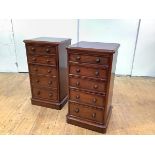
(95, 46)
(47, 40)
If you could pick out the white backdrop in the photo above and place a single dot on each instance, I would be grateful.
(28, 29)
(119, 31)
(12, 48)
(144, 62)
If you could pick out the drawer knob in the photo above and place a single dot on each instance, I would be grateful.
(34, 59)
(50, 82)
(77, 110)
(78, 70)
(95, 86)
(97, 60)
(50, 95)
(93, 115)
(77, 96)
(97, 73)
(78, 58)
(36, 69)
(37, 81)
(47, 50)
(32, 48)
(49, 71)
(38, 92)
(48, 61)
(94, 100)
(77, 83)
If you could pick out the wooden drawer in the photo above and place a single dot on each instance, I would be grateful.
(89, 72)
(43, 70)
(87, 84)
(45, 94)
(103, 60)
(40, 59)
(41, 50)
(45, 81)
(87, 98)
(86, 112)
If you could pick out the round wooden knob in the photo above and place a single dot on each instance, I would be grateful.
(78, 70)
(77, 96)
(93, 115)
(94, 100)
(38, 92)
(77, 110)
(37, 81)
(32, 48)
(78, 58)
(97, 73)
(34, 59)
(77, 83)
(95, 86)
(36, 69)
(47, 50)
(50, 82)
(97, 60)
(48, 61)
(49, 71)
(50, 95)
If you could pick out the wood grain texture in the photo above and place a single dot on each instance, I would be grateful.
(133, 109)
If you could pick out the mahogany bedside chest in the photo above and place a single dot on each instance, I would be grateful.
(47, 63)
(91, 69)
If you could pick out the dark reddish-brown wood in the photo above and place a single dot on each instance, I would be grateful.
(91, 71)
(47, 69)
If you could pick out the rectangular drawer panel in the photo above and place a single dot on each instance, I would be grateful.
(88, 98)
(42, 50)
(44, 70)
(49, 60)
(46, 94)
(90, 72)
(45, 81)
(87, 84)
(102, 60)
(86, 112)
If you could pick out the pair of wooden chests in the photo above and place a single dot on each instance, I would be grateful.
(82, 74)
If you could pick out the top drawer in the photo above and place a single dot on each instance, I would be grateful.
(41, 50)
(103, 60)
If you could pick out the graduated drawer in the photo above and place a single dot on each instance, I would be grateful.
(46, 94)
(88, 71)
(87, 98)
(103, 60)
(49, 60)
(40, 69)
(87, 84)
(86, 112)
(43, 50)
(45, 81)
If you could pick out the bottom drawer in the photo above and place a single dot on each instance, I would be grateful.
(86, 112)
(46, 94)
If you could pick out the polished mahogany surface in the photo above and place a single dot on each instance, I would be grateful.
(91, 70)
(47, 70)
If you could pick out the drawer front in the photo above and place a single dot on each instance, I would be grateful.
(86, 112)
(42, 50)
(45, 94)
(44, 70)
(92, 99)
(44, 81)
(87, 84)
(89, 72)
(103, 60)
(49, 60)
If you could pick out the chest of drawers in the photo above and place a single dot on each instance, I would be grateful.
(91, 70)
(47, 65)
